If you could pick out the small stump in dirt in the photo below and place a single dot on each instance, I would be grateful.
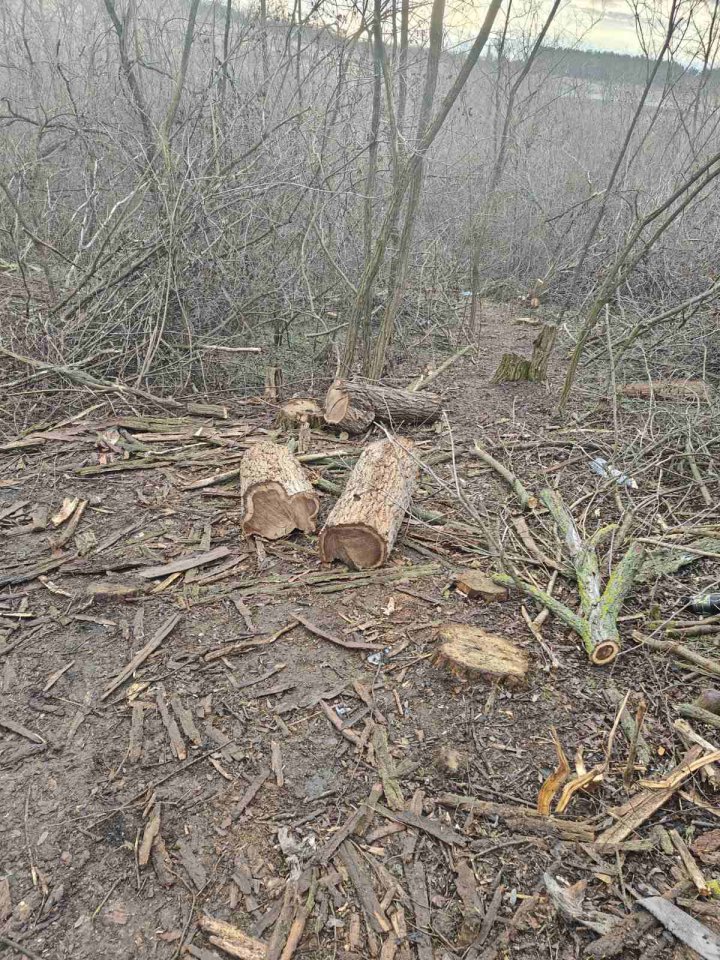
(471, 653)
(476, 585)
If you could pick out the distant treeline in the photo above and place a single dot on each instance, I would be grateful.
(604, 67)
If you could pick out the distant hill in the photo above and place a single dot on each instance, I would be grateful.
(602, 66)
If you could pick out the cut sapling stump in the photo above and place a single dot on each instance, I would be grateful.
(470, 653)
(355, 406)
(276, 495)
(363, 525)
(300, 410)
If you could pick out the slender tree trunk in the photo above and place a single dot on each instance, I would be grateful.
(542, 363)
(406, 171)
(484, 218)
(376, 362)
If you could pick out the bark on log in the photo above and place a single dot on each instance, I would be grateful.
(364, 523)
(276, 495)
(353, 406)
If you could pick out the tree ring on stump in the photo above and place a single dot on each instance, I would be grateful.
(277, 513)
(355, 544)
(604, 653)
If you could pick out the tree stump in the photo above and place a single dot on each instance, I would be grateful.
(470, 652)
(512, 369)
(300, 410)
(354, 406)
(276, 495)
(364, 523)
(474, 584)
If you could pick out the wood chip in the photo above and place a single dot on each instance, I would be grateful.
(177, 744)
(690, 864)
(687, 929)
(249, 795)
(141, 656)
(225, 935)
(360, 879)
(417, 887)
(276, 763)
(195, 870)
(151, 831)
(186, 563)
(20, 730)
(186, 721)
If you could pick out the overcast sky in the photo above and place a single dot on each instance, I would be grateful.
(600, 24)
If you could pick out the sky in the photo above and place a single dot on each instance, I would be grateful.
(600, 24)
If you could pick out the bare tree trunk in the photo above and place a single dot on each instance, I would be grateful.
(182, 74)
(672, 24)
(128, 71)
(376, 41)
(402, 74)
(479, 229)
(404, 177)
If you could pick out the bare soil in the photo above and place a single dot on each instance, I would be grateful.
(75, 805)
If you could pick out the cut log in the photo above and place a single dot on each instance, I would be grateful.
(666, 390)
(364, 523)
(276, 495)
(474, 584)
(354, 406)
(300, 410)
(470, 652)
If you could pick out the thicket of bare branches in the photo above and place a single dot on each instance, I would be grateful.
(185, 176)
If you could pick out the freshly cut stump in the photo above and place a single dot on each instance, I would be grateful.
(276, 495)
(470, 652)
(354, 406)
(300, 410)
(364, 523)
(474, 584)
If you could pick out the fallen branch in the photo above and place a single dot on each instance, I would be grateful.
(597, 627)
(679, 650)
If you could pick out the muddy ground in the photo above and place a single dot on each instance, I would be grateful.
(91, 771)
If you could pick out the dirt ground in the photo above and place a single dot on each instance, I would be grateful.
(224, 744)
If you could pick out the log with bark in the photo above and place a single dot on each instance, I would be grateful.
(276, 495)
(354, 406)
(362, 527)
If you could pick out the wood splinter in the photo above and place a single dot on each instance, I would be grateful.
(363, 525)
(276, 495)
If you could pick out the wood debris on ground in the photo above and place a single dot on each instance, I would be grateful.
(300, 759)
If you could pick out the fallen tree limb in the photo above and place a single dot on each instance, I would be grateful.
(88, 380)
(527, 500)
(425, 378)
(679, 650)
(597, 624)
